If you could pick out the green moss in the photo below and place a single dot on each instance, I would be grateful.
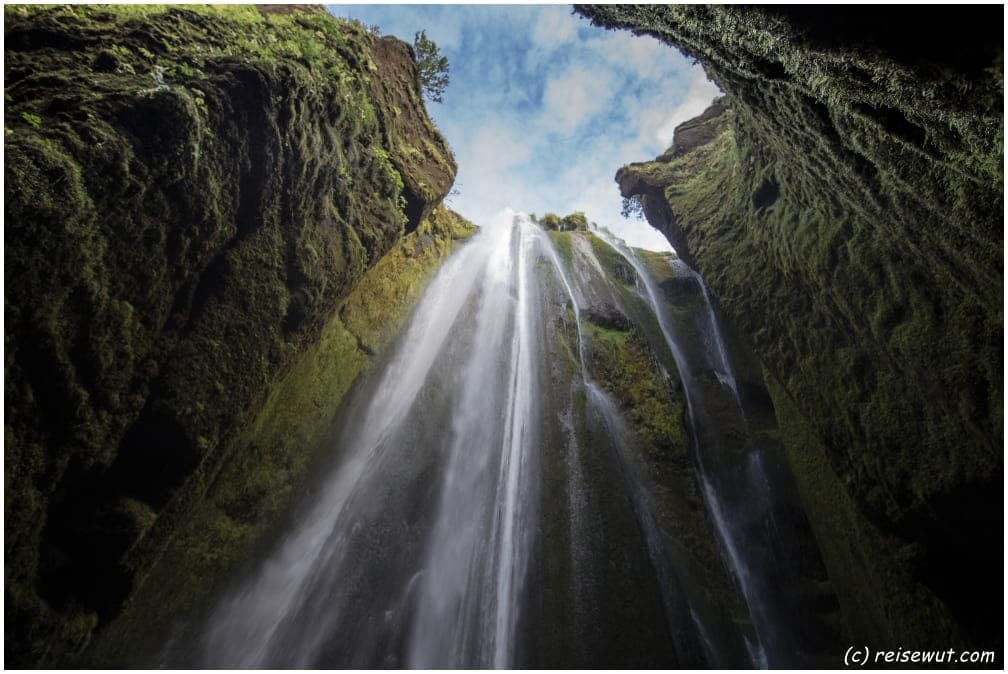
(917, 314)
(615, 265)
(399, 276)
(274, 452)
(562, 242)
(861, 73)
(624, 364)
(204, 190)
(311, 37)
(138, 511)
(850, 227)
(623, 281)
(33, 120)
(878, 599)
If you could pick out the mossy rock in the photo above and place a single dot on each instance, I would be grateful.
(191, 193)
(274, 454)
(844, 203)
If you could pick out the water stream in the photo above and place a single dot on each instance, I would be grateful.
(485, 507)
(741, 496)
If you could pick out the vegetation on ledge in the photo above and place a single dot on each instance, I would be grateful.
(569, 223)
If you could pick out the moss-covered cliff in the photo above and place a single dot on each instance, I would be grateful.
(592, 489)
(290, 434)
(844, 202)
(191, 195)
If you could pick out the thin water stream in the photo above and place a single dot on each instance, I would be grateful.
(741, 496)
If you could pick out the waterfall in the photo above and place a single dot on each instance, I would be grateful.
(426, 544)
(739, 494)
(284, 614)
(661, 556)
(460, 555)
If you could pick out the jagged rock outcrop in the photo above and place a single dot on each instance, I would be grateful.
(191, 194)
(844, 202)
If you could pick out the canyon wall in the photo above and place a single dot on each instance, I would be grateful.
(844, 200)
(191, 197)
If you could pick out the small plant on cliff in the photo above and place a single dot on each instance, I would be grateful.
(569, 223)
(550, 221)
(632, 208)
(433, 66)
(574, 221)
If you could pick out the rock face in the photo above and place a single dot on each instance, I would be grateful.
(626, 356)
(844, 202)
(191, 195)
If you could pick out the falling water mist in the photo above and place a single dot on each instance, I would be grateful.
(485, 506)
(414, 553)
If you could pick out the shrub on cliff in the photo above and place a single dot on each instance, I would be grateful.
(632, 208)
(568, 223)
(433, 66)
(575, 221)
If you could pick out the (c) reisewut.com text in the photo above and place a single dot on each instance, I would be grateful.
(863, 656)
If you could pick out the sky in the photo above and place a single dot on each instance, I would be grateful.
(543, 108)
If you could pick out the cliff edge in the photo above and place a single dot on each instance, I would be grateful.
(844, 202)
(191, 194)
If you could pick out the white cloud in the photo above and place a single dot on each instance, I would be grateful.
(698, 97)
(573, 98)
(555, 26)
(551, 28)
(499, 143)
(642, 56)
(492, 160)
(543, 109)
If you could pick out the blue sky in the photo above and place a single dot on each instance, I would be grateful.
(543, 108)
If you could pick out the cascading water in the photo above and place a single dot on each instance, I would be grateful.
(741, 497)
(487, 508)
(478, 551)
(456, 606)
(659, 549)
